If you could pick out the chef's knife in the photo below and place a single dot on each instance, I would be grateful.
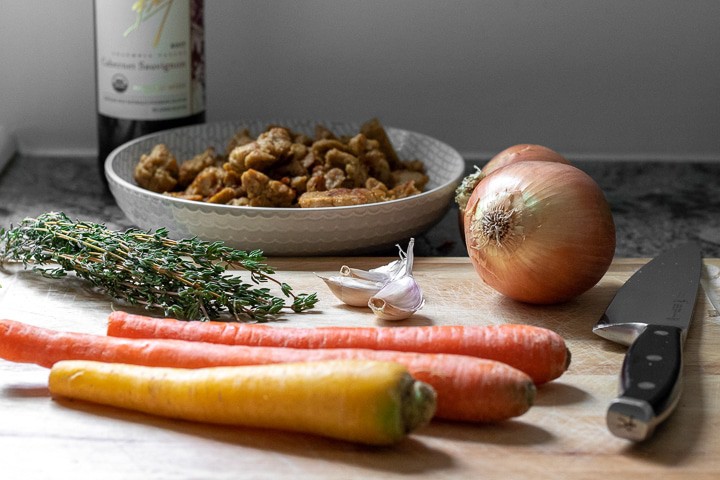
(651, 313)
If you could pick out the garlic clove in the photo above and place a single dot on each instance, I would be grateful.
(385, 311)
(385, 273)
(398, 299)
(393, 269)
(380, 274)
(352, 291)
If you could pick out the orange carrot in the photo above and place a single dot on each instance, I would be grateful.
(468, 388)
(537, 351)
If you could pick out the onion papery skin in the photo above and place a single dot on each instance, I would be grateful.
(523, 152)
(554, 234)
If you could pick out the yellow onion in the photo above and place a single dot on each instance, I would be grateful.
(539, 232)
(523, 152)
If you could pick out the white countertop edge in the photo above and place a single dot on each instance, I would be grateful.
(8, 146)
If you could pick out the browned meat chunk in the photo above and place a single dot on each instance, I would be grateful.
(191, 168)
(355, 172)
(240, 138)
(338, 197)
(250, 156)
(334, 178)
(270, 147)
(403, 190)
(223, 196)
(185, 196)
(419, 179)
(373, 129)
(158, 170)
(262, 191)
(323, 133)
(207, 183)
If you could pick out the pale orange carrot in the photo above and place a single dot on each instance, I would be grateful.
(537, 351)
(468, 388)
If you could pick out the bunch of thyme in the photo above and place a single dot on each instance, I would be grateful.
(186, 278)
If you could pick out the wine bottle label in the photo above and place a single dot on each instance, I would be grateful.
(150, 58)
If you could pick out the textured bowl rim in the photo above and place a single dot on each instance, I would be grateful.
(114, 177)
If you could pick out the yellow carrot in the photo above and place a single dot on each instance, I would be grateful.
(369, 402)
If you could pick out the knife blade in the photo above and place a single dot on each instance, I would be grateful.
(710, 282)
(651, 313)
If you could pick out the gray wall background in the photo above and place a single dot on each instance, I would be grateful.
(594, 79)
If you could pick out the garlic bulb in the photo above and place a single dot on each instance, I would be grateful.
(390, 291)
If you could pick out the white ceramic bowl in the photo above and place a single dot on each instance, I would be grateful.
(285, 231)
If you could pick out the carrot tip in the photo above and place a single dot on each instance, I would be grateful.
(531, 394)
(568, 358)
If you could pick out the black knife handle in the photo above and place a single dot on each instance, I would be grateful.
(650, 383)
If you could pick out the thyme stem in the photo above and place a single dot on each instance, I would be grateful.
(185, 278)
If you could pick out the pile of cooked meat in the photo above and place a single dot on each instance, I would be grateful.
(282, 168)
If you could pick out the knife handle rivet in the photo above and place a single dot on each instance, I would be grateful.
(654, 358)
(646, 385)
(662, 333)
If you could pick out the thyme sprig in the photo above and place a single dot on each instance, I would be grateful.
(186, 278)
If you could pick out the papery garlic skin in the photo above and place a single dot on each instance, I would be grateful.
(380, 274)
(355, 292)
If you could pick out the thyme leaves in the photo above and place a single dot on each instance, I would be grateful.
(187, 279)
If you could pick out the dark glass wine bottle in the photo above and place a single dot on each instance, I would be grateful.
(150, 68)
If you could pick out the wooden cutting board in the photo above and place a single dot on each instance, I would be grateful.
(562, 436)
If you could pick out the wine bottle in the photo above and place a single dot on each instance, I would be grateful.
(150, 68)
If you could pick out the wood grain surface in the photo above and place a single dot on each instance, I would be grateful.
(562, 436)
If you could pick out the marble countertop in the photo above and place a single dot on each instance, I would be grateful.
(656, 205)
